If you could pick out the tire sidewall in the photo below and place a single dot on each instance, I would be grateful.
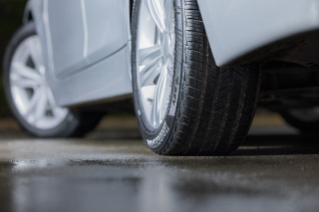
(156, 139)
(67, 125)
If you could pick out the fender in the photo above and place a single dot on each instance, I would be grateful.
(241, 31)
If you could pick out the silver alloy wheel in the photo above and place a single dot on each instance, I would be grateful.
(155, 57)
(29, 89)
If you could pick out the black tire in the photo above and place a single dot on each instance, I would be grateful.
(74, 125)
(211, 108)
(307, 122)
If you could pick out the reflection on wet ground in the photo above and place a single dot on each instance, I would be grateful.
(268, 173)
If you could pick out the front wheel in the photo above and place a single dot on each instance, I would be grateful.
(185, 104)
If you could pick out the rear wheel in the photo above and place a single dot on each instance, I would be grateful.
(305, 119)
(29, 95)
(185, 104)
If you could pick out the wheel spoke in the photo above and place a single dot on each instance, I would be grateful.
(35, 51)
(23, 83)
(40, 107)
(160, 95)
(149, 53)
(149, 73)
(155, 116)
(32, 104)
(149, 59)
(24, 71)
(54, 108)
(156, 9)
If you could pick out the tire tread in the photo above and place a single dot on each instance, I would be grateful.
(220, 102)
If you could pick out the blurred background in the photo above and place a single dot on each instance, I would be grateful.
(11, 13)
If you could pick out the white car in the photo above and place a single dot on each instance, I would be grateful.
(195, 69)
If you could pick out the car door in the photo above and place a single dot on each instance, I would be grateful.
(65, 20)
(84, 32)
(105, 33)
(87, 48)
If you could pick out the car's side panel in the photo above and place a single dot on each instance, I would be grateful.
(105, 28)
(66, 25)
(237, 27)
(106, 80)
(84, 32)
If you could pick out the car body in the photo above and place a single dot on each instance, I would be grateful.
(91, 40)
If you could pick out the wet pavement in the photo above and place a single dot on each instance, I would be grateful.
(276, 169)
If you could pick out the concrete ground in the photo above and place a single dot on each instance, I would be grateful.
(276, 169)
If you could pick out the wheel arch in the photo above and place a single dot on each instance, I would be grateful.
(28, 14)
(272, 34)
